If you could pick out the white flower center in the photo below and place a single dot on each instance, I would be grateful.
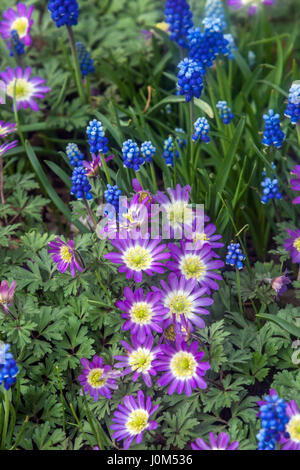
(141, 313)
(178, 212)
(94, 378)
(179, 303)
(137, 421)
(22, 87)
(192, 266)
(138, 258)
(293, 428)
(140, 360)
(183, 365)
(21, 26)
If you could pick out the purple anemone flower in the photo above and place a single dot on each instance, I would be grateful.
(219, 442)
(144, 195)
(184, 301)
(204, 234)
(176, 209)
(292, 428)
(138, 256)
(296, 183)
(143, 313)
(64, 255)
(18, 20)
(194, 262)
(98, 379)
(131, 419)
(252, 4)
(292, 245)
(7, 146)
(26, 89)
(182, 367)
(7, 128)
(93, 165)
(139, 359)
(6, 295)
(280, 283)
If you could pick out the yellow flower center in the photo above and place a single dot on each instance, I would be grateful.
(23, 89)
(178, 212)
(163, 26)
(94, 378)
(66, 254)
(141, 313)
(21, 26)
(297, 244)
(183, 365)
(192, 267)
(170, 333)
(179, 304)
(141, 359)
(293, 428)
(143, 195)
(138, 258)
(137, 421)
(201, 236)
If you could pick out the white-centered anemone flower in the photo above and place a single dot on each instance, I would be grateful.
(26, 89)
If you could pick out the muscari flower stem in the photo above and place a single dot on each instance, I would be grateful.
(6, 418)
(1, 181)
(76, 65)
(298, 132)
(89, 211)
(238, 282)
(153, 177)
(105, 168)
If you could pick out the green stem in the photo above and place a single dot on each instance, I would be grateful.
(78, 76)
(298, 133)
(91, 215)
(61, 399)
(6, 417)
(102, 285)
(138, 175)
(17, 117)
(153, 177)
(238, 281)
(105, 168)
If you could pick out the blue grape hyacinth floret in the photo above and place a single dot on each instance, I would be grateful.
(64, 12)
(148, 151)
(190, 81)
(80, 184)
(96, 137)
(131, 155)
(180, 19)
(112, 195)
(74, 155)
(271, 189)
(293, 107)
(201, 130)
(16, 44)
(8, 367)
(86, 62)
(235, 256)
(273, 421)
(273, 135)
(225, 112)
(168, 151)
(214, 8)
(169, 147)
(204, 47)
